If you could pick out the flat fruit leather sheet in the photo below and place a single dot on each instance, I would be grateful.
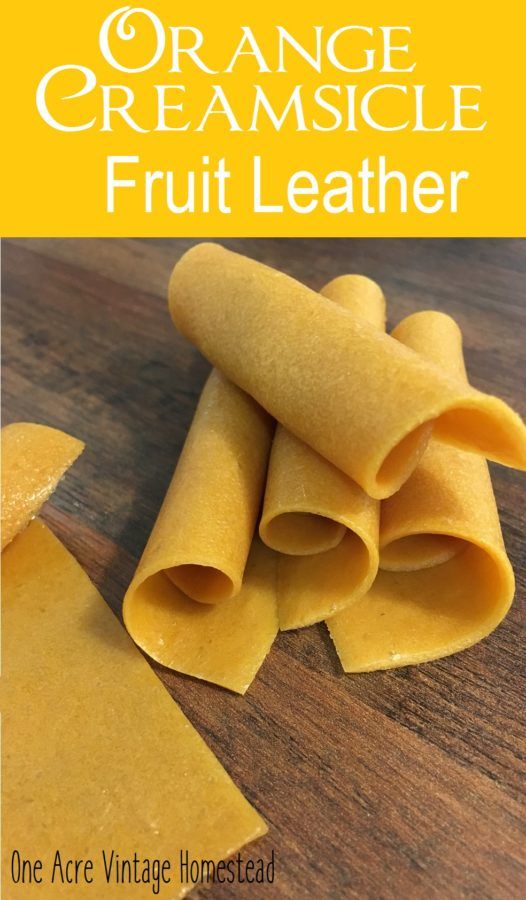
(201, 601)
(445, 581)
(360, 398)
(96, 754)
(34, 459)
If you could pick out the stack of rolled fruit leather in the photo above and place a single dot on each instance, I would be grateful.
(362, 454)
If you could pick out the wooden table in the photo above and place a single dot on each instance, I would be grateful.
(401, 784)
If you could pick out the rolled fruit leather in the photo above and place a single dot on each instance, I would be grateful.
(195, 604)
(445, 581)
(360, 398)
(140, 778)
(311, 506)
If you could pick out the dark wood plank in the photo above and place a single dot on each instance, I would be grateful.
(407, 783)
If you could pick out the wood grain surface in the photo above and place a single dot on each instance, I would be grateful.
(402, 784)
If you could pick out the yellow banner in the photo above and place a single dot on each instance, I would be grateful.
(263, 119)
